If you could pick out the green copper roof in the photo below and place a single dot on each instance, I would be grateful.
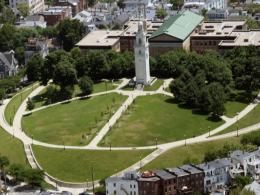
(179, 26)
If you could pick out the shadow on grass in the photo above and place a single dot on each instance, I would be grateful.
(193, 110)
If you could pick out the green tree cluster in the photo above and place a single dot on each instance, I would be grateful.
(69, 32)
(251, 138)
(245, 66)
(201, 81)
(33, 177)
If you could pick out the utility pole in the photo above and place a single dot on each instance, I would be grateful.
(92, 177)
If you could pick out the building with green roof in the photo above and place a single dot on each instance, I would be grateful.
(174, 33)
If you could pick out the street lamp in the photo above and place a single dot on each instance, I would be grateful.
(156, 142)
(185, 140)
(209, 130)
(32, 139)
(110, 146)
(237, 122)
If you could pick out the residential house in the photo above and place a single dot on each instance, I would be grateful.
(149, 183)
(217, 14)
(122, 185)
(168, 182)
(8, 64)
(32, 21)
(55, 14)
(35, 6)
(218, 173)
(36, 45)
(174, 33)
(183, 180)
(196, 178)
(76, 5)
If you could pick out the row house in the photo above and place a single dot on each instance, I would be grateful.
(123, 185)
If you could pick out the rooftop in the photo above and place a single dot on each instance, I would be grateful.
(100, 38)
(243, 38)
(164, 174)
(177, 171)
(191, 169)
(218, 163)
(179, 26)
(218, 28)
(132, 27)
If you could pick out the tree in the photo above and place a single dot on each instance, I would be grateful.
(176, 4)
(161, 13)
(239, 191)
(34, 68)
(7, 16)
(91, 3)
(86, 85)
(69, 33)
(241, 181)
(121, 4)
(23, 8)
(216, 99)
(19, 55)
(4, 162)
(51, 93)
(64, 74)
(2, 5)
(67, 92)
(17, 171)
(50, 63)
(34, 177)
(2, 94)
(7, 35)
(30, 104)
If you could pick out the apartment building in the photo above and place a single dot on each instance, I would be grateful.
(76, 5)
(35, 6)
(55, 14)
(149, 183)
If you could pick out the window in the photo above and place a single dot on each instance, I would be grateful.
(140, 41)
(114, 184)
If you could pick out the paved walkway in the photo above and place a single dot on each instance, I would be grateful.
(16, 129)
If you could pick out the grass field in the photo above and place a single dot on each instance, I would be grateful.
(40, 99)
(233, 107)
(14, 104)
(73, 123)
(178, 156)
(12, 148)
(158, 83)
(157, 116)
(75, 165)
(251, 118)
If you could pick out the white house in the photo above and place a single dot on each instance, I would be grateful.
(8, 64)
(122, 185)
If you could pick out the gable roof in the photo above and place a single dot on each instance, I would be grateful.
(179, 26)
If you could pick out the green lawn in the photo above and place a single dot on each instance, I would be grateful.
(73, 123)
(105, 86)
(157, 116)
(40, 99)
(12, 148)
(251, 118)
(178, 156)
(158, 83)
(75, 165)
(14, 104)
(233, 107)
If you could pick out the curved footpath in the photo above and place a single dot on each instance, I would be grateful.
(17, 132)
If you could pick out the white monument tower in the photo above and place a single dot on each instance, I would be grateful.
(142, 67)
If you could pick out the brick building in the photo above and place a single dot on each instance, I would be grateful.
(149, 183)
(174, 33)
(168, 182)
(76, 5)
(208, 35)
(55, 14)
